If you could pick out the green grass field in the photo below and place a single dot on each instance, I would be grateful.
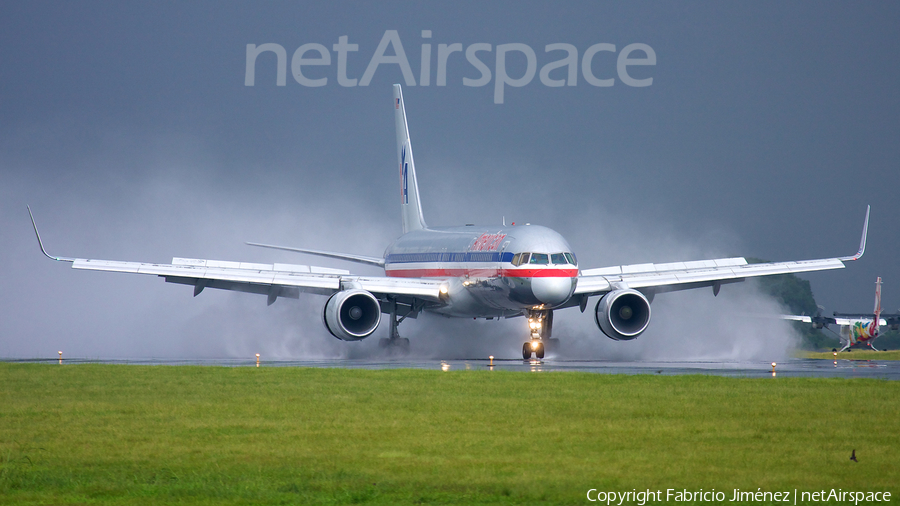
(120, 434)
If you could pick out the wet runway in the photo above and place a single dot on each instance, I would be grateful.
(881, 369)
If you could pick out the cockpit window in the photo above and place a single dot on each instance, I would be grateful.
(558, 259)
(520, 258)
(571, 258)
(540, 258)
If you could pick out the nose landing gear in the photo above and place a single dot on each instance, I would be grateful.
(540, 323)
(535, 346)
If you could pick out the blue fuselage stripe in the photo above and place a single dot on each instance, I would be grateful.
(405, 258)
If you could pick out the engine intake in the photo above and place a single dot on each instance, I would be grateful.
(351, 315)
(622, 314)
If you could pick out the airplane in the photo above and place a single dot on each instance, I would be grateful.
(465, 271)
(856, 329)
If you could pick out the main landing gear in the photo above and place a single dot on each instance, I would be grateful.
(395, 342)
(540, 323)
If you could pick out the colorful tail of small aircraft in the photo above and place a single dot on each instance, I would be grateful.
(856, 329)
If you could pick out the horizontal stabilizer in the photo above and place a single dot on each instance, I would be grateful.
(360, 259)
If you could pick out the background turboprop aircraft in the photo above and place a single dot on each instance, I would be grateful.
(474, 272)
(856, 329)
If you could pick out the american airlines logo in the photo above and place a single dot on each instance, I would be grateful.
(487, 242)
(600, 65)
(404, 188)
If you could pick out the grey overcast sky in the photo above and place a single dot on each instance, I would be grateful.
(128, 127)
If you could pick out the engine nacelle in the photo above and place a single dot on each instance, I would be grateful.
(622, 314)
(351, 315)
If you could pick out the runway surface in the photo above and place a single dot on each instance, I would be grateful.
(843, 368)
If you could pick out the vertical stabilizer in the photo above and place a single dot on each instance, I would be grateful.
(410, 208)
(877, 300)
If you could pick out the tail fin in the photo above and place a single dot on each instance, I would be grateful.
(877, 301)
(410, 208)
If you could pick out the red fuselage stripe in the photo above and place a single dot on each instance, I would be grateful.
(487, 273)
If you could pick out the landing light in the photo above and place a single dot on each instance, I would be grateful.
(534, 345)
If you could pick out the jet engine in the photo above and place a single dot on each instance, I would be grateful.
(351, 315)
(622, 314)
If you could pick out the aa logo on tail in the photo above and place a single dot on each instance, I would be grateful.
(404, 187)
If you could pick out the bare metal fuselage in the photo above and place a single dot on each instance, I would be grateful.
(484, 269)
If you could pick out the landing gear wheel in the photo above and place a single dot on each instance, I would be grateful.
(539, 352)
(526, 351)
(403, 344)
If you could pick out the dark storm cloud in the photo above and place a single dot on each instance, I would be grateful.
(130, 132)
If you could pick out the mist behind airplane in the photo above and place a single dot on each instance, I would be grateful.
(465, 271)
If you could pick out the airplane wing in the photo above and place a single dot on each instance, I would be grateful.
(273, 280)
(853, 321)
(797, 318)
(657, 278)
(832, 320)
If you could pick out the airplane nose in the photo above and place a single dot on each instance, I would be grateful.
(552, 291)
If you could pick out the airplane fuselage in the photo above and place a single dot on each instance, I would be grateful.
(860, 332)
(490, 271)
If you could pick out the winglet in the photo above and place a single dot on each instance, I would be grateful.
(862, 241)
(41, 243)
